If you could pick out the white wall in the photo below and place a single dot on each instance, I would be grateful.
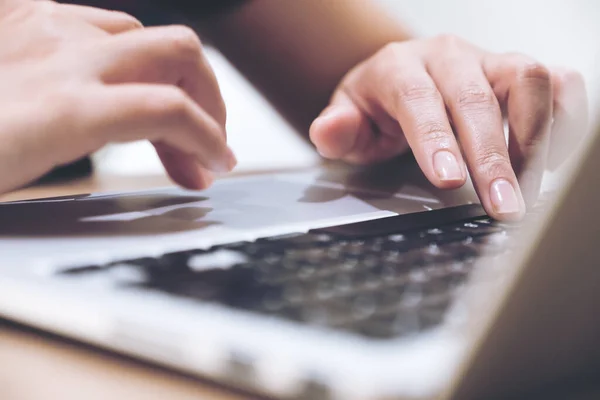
(557, 32)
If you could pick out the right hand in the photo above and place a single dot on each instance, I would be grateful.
(74, 78)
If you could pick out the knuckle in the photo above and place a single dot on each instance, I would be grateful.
(534, 71)
(130, 20)
(394, 49)
(47, 16)
(492, 162)
(172, 103)
(449, 41)
(434, 132)
(475, 97)
(185, 41)
(525, 68)
(408, 93)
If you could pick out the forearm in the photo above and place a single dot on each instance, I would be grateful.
(296, 52)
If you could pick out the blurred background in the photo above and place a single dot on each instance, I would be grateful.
(556, 32)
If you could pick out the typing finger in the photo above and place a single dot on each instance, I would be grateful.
(160, 113)
(477, 117)
(414, 100)
(183, 168)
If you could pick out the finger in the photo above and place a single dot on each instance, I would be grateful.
(525, 87)
(183, 168)
(415, 101)
(405, 105)
(168, 55)
(110, 21)
(159, 113)
(345, 131)
(477, 117)
(571, 119)
(336, 131)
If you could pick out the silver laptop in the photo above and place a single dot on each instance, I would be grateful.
(330, 283)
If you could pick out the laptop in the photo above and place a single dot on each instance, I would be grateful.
(320, 284)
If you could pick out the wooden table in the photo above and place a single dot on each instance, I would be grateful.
(36, 365)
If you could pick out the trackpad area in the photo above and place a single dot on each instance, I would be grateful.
(172, 217)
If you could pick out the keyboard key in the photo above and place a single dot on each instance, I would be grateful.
(380, 279)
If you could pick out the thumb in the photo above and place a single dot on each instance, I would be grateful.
(337, 131)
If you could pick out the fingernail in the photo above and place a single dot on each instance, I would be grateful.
(207, 179)
(231, 159)
(504, 197)
(227, 163)
(446, 166)
(200, 178)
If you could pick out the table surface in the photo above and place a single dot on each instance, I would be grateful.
(35, 365)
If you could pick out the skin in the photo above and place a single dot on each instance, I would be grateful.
(369, 92)
(91, 77)
(347, 74)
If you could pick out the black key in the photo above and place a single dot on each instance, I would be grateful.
(476, 228)
(381, 279)
(161, 268)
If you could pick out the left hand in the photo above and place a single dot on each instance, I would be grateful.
(446, 99)
(74, 78)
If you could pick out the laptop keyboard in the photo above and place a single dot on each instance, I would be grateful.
(380, 279)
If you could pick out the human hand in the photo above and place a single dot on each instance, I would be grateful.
(445, 99)
(74, 78)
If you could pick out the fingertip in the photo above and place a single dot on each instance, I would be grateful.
(449, 170)
(226, 163)
(183, 168)
(512, 217)
(204, 179)
(506, 202)
(335, 131)
(448, 184)
(193, 178)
